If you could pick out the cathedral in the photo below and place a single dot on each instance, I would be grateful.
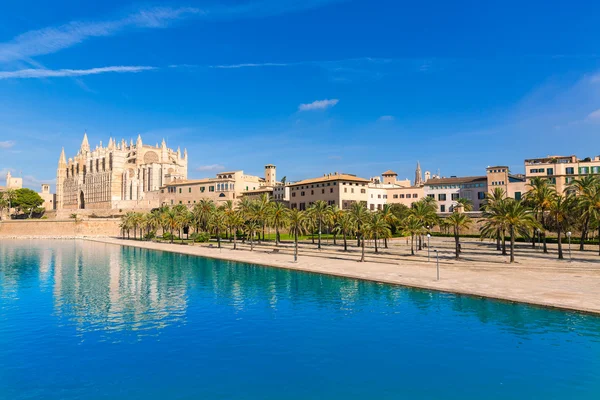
(118, 176)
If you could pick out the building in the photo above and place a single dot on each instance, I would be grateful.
(230, 185)
(12, 182)
(402, 191)
(119, 175)
(514, 186)
(561, 170)
(49, 198)
(447, 191)
(281, 193)
(337, 189)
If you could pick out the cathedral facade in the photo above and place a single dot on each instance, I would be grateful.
(118, 176)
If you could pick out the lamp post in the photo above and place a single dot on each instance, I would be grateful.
(428, 247)
(569, 236)
(437, 256)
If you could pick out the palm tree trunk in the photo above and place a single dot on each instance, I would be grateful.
(235, 239)
(345, 244)
(420, 242)
(251, 242)
(319, 246)
(504, 243)
(560, 251)
(498, 245)
(584, 233)
(295, 246)
(544, 234)
(412, 244)
(362, 255)
(512, 244)
(276, 235)
(376, 249)
(218, 238)
(171, 236)
(385, 243)
(334, 237)
(533, 238)
(456, 244)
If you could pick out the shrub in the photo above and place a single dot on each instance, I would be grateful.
(169, 236)
(200, 237)
(150, 235)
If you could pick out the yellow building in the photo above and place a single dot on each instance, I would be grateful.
(561, 170)
(514, 186)
(337, 189)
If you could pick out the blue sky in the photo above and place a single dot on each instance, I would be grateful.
(313, 86)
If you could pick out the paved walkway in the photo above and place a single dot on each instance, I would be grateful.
(550, 283)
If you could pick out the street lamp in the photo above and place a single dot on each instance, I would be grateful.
(569, 236)
(437, 256)
(428, 247)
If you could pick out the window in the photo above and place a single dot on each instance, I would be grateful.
(312, 192)
(179, 190)
(517, 195)
(302, 206)
(401, 196)
(569, 170)
(442, 197)
(415, 195)
(301, 194)
(378, 196)
(202, 189)
(379, 206)
(323, 191)
(550, 171)
(395, 196)
(481, 195)
(345, 189)
(211, 188)
(189, 190)
(431, 196)
(352, 190)
(330, 190)
(372, 207)
(442, 208)
(454, 196)
(363, 191)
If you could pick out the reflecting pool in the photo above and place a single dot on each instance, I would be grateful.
(94, 321)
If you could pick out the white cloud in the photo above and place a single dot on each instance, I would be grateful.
(386, 118)
(594, 115)
(318, 105)
(249, 65)
(7, 144)
(211, 167)
(59, 73)
(50, 40)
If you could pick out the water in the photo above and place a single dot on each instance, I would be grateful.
(94, 321)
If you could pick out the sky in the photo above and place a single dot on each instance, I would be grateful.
(312, 86)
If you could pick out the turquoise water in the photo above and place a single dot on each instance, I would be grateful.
(93, 321)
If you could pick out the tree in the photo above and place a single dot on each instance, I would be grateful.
(26, 200)
(297, 226)
(390, 218)
(586, 189)
(201, 214)
(361, 217)
(518, 219)
(465, 204)
(218, 223)
(278, 218)
(458, 221)
(320, 212)
(344, 225)
(377, 228)
(560, 212)
(540, 196)
(172, 220)
(3, 204)
(234, 222)
(493, 203)
(424, 211)
(413, 227)
(252, 227)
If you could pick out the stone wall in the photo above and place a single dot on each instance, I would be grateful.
(59, 228)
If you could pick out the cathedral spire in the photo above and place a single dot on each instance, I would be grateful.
(85, 145)
(62, 160)
(138, 142)
(418, 175)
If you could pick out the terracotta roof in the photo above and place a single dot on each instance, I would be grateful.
(389, 172)
(261, 190)
(197, 181)
(330, 178)
(454, 180)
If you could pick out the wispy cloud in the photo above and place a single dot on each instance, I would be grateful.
(59, 73)
(318, 105)
(248, 65)
(7, 144)
(594, 115)
(53, 39)
(211, 167)
(386, 118)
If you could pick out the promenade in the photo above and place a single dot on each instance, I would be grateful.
(536, 278)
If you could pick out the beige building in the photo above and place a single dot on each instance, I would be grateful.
(12, 182)
(561, 170)
(402, 191)
(446, 191)
(500, 177)
(49, 198)
(118, 175)
(337, 189)
(230, 185)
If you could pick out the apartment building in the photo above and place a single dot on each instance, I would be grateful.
(447, 191)
(561, 170)
(336, 189)
(514, 186)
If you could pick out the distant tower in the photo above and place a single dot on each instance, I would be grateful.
(8, 176)
(418, 175)
(61, 174)
(85, 145)
(270, 175)
(427, 176)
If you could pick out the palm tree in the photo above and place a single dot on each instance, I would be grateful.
(320, 212)
(336, 214)
(344, 225)
(494, 213)
(218, 223)
(261, 211)
(297, 226)
(494, 201)
(3, 204)
(10, 196)
(278, 218)
(201, 214)
(388, 216)
(252, 227)
(561, 213)
(458, 221)
(540, 196)
(518, 219)
(154, 220)
(234, 222)
(361, 217)
(413, 227)
(424, 212)
(172, 220)
(228, 209)
(586, 189)
(377, 228)
(465, 204)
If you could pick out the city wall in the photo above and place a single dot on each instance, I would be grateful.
(60, 228)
